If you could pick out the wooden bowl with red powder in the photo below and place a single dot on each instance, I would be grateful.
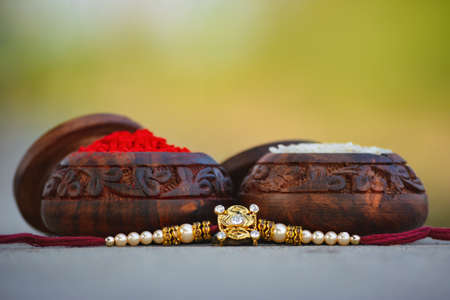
(127, 181)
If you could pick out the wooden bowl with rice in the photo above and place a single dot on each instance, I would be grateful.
(362, 190)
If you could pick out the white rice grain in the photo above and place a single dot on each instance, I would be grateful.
(327, 148)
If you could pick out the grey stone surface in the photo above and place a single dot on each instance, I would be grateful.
(418, 271)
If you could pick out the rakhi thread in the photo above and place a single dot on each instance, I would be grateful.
(45, 241)
(437, 233)
(401, 238)
(142, 140)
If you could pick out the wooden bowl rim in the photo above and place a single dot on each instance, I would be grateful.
(126, 159)
(331, 158)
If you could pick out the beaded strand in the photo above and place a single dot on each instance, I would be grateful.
(295, 235)
(269, 231)
(173, 235)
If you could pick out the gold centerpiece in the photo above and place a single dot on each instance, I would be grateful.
(237, 223)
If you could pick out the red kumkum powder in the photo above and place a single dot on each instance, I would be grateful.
(140, 141)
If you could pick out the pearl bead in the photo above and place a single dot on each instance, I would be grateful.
(279, 233)
(109, 241)
(219, 209)
(355, 239)
(120, 240)
(306, 236)
(330, 238)
(343, 238)
(255, 235)
(254, 208)
(158, 236)
(146, 238)
(133, 239)
(317, 237)
(221, 236)
(187, 233)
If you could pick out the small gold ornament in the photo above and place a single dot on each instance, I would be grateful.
(237, 223)
(265, 227)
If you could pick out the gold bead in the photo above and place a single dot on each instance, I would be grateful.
(290, 232)
(317, 237)
(197, 230)
(355, 239)
(330, 238)
(293, 235)
(175, 235)
(206, 230)
(265, 228)
(171, 235)
(166, 236)
(109, 241)
(343, 238)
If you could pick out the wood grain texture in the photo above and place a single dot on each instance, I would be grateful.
(46, 152)
(358, 193)
(95, 193)
(240, 164)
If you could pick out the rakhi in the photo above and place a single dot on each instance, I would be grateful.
(237, 224)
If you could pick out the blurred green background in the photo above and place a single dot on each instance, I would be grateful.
(220, 76)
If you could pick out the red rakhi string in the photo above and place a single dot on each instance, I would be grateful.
(90, 241)
(45, 241)
(407, 236)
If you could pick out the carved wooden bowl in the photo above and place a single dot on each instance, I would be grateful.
(358, 193)
(47, 151)
(96, 193)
